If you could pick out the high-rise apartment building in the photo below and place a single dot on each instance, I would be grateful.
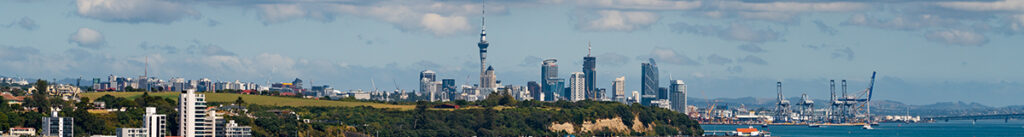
(618, 88)
(577, 86)
(195, 120)
(57, 126)
(678, 89)
(155, 124)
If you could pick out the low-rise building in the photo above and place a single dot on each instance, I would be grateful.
(11, 99)
(132, 132)
(231, 129)
(21, 131)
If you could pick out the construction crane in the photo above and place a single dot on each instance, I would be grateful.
(782, 109)
(372, 83)
(396, 84)
(852, 106)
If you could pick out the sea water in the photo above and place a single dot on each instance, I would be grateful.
(957, 128)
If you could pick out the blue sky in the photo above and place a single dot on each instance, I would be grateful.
(924, 51)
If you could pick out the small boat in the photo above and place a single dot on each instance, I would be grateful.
(751, 132)
(764, 125)
(813, 125)
(868, 127)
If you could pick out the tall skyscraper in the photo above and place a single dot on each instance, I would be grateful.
(57, 126)
(663, 93)
(448, 88)
(143, 83)
(429, 88)
(678, 89)
(426, 78)
(205, 85)
(297, 83)
(548, 71)
(535, 90)
(556, 88)
(577, 87)
(155, 124)
(619, 88)
(650, 78)
(178, 84)
(194, 119)
(590, 72)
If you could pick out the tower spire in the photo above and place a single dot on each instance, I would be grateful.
(483, 23)
(483, 18)
(588, 48)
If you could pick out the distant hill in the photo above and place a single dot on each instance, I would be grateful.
(878, 107)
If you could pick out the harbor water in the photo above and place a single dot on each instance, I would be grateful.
(959, 128)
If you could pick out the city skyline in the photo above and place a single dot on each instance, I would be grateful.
(718, 49)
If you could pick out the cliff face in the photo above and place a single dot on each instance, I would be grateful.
(612, 124)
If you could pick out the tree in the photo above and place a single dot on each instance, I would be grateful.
(239, 101)
(3, 106)
(42, 86)
(5, 123)
(39, 98)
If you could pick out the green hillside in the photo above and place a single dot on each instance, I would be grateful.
(254, 99)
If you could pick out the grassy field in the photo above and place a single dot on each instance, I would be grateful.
(254, 99)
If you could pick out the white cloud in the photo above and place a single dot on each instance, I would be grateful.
(437, 18)
(909, 22)
(846, 53)
(735, 31)
(780, 12)
(1017, 23)
(88, 38)
(751, 48)
(24, 23)
(613, 20)
(670, 56)
(718, 60)
(1005, 5)
(612, 59)
(276, 13)
(957, 37)
(441, 25)
(752, 60)
(134, 11)
(792, 6)
(825, 28)
(640, 4)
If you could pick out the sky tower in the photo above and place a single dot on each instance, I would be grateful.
(484, 82)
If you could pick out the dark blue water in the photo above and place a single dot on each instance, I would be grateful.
(963, 128)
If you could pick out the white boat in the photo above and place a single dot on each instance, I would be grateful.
(868, 127)
(751, 132)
